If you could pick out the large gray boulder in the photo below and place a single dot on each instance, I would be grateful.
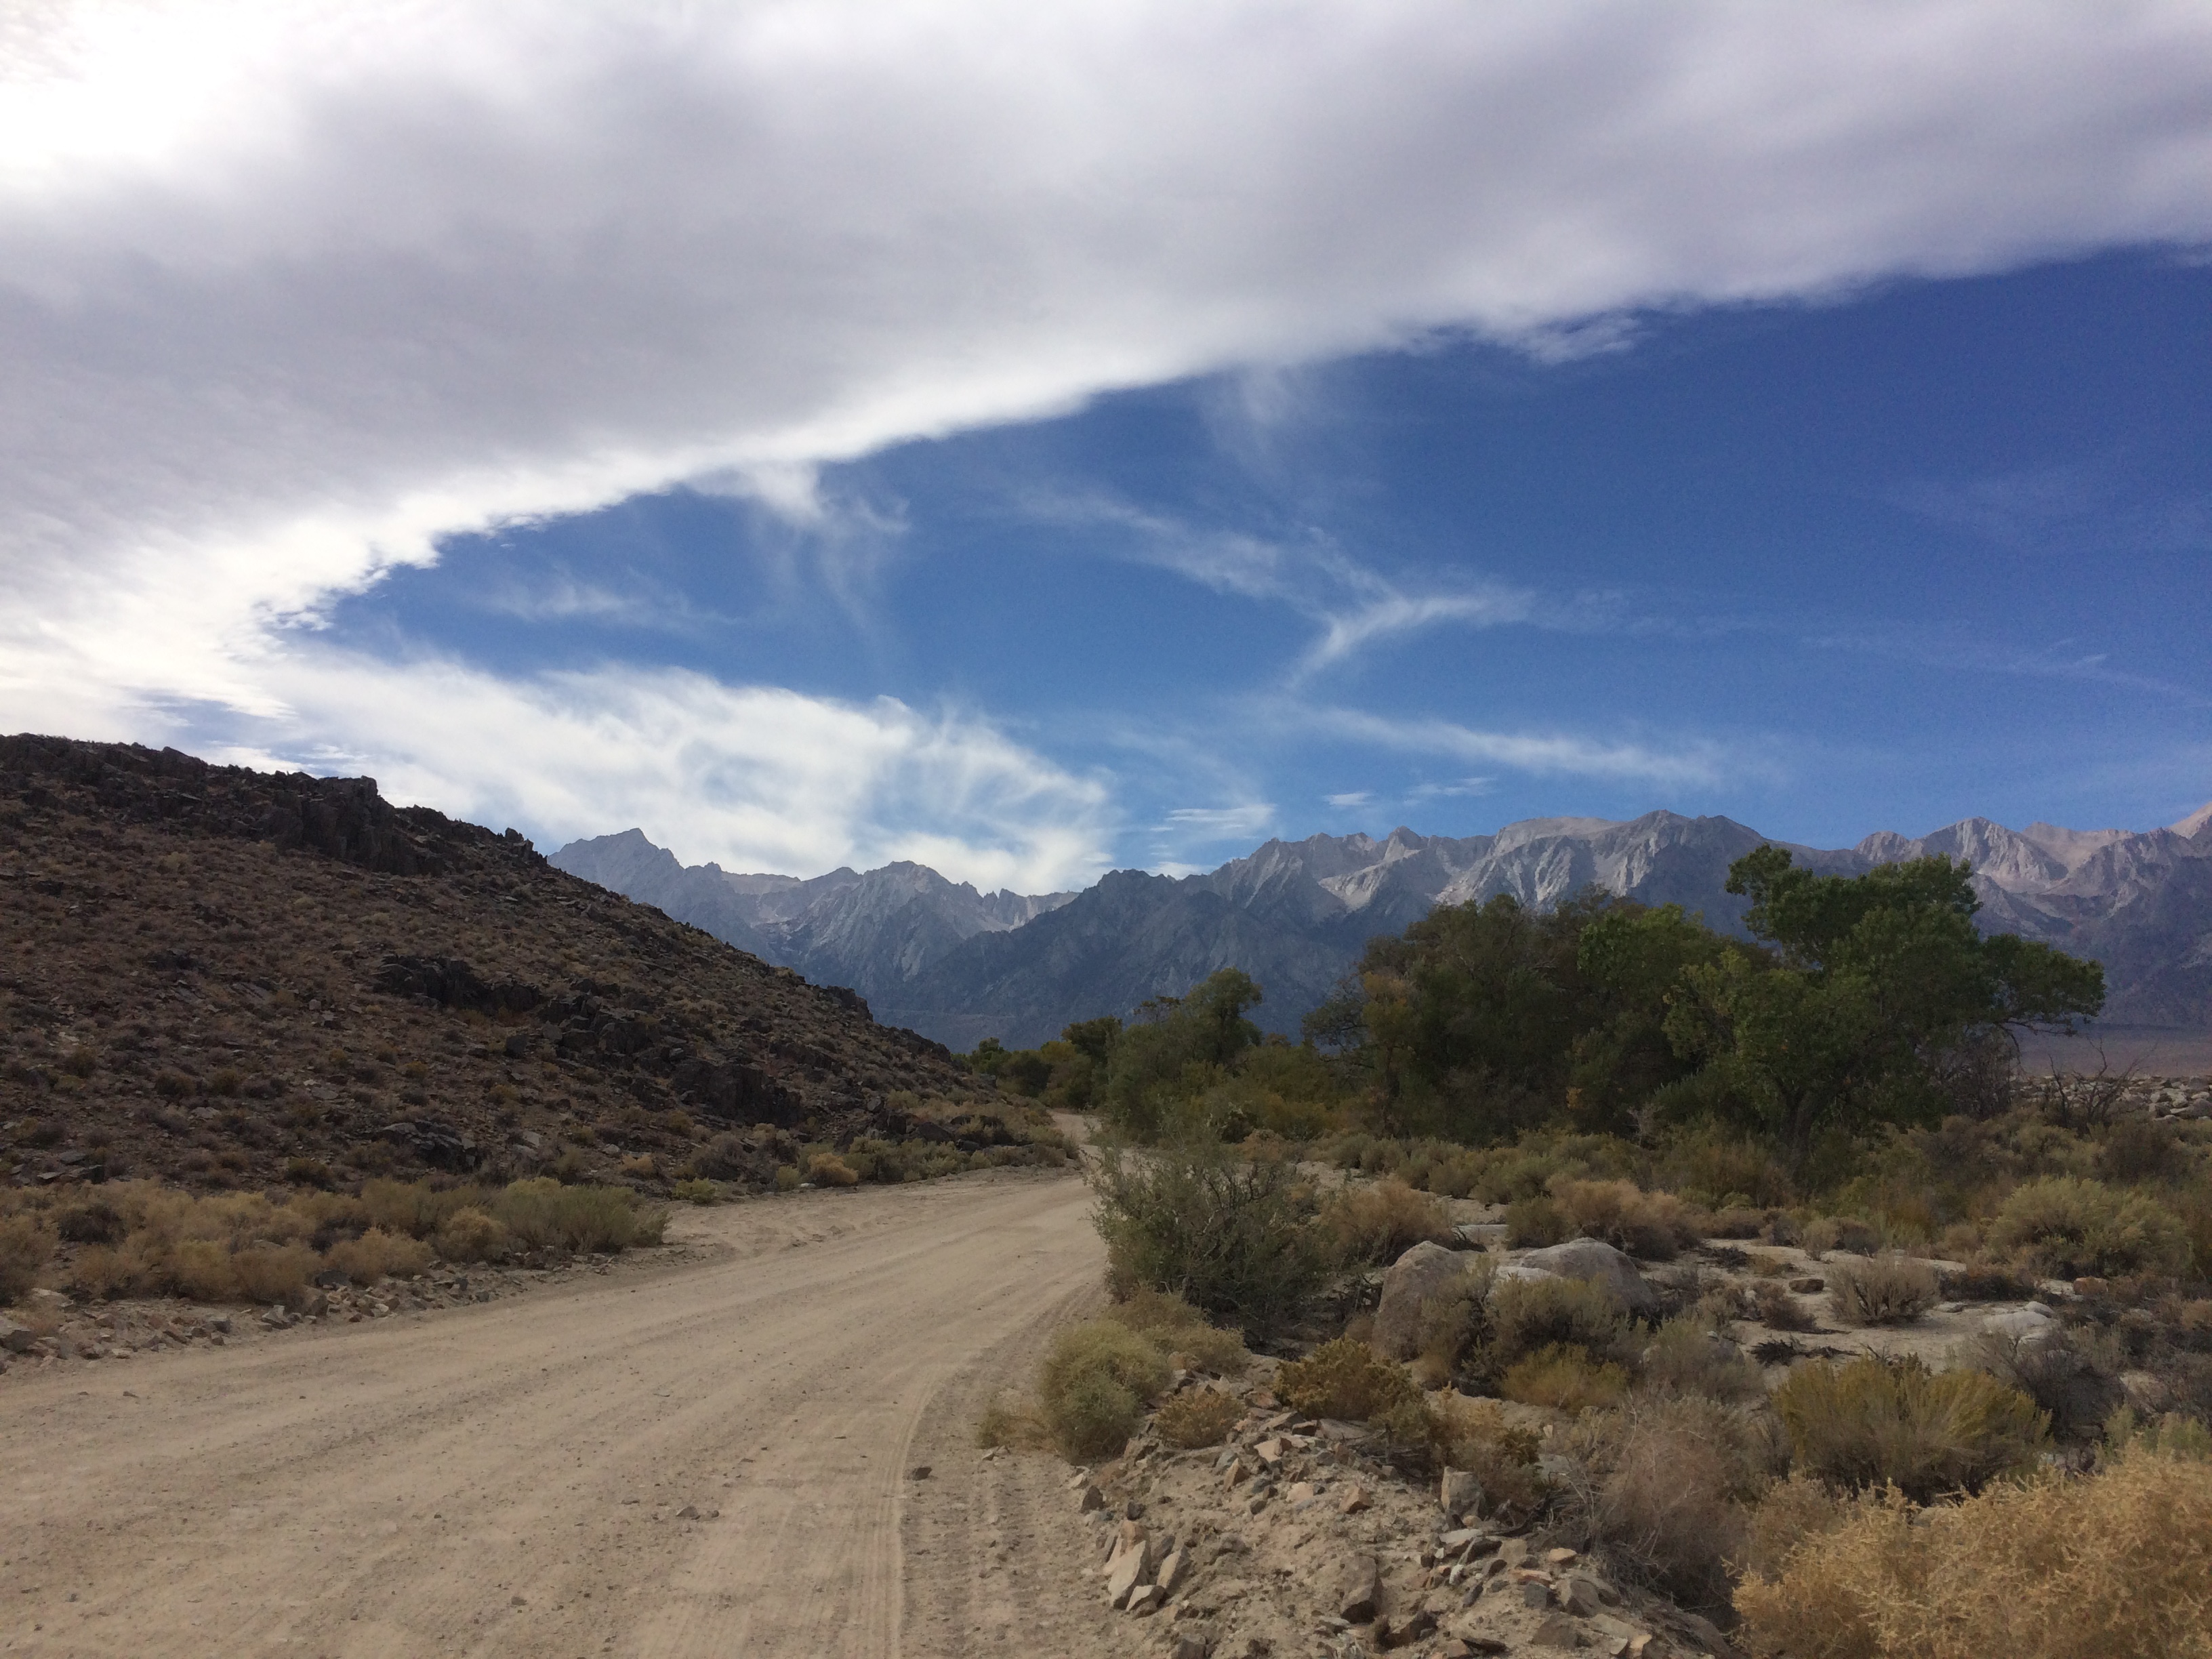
(1585, 1258)
(1423, 1273)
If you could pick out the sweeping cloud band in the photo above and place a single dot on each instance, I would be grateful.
(288, 293)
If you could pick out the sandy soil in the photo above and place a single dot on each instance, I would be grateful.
(514, 1479)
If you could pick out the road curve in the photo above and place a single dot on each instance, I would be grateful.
(509, 1479)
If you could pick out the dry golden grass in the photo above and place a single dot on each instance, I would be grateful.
(1653, 1225)
(1883, 1290)
(1874, 1423)
(1565, 1379)
(1380, 1223)
(2117, 1565)
(1181, 1334)
(1095, 1383)
(1198, 1417)
(1344, 1379)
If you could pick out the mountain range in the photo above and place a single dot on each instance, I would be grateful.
(959, 965)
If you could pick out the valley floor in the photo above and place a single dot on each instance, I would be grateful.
(715, 1458)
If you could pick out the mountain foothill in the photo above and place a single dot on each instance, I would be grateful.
(959, 966)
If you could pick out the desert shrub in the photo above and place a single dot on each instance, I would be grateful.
(1530, 1315)
(309, 1172)
(1094, 1384)
(1453, 1432)
(409, 1206)
(276, 1273)
(95, 1222)
(541, 1213)
(471, 1235)
(1985, 1281)
(1652, 1225)
(198, 1269)
(2067, 1228)
(1565, 1379)
(1533, 1223)
(643, 1166)
(1686, 1357)
(1883, 1290)
(1229, 1234)
(1344, 1379)
(1773, 1306)
(1453, 1321)
(380, 1255)
(2057, 1371)
(2115, 1563)
(2171, 1435)
(828, 1169)
(1198, 1417)
(1738, 1223)
(1873, 1422)
(1847, 1233)
(1179, 1331)
(1378, 1224)
(26, 1246)
(696, 1192)
(1663, 1487)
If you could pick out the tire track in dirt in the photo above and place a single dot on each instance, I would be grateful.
(509, 1479)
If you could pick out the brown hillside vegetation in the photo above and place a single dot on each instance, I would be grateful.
(225, 978)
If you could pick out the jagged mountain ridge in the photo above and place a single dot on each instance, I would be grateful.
(873, 933)
(1296, 914)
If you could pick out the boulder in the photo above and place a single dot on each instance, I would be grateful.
(2029, 1325)
(1414, 1278)
(16, 1339)
(1460, 1493)
(1130, 1566)
(1173, 1571)
(1361, 1595)
(1585, 1258)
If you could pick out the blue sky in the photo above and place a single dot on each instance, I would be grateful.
(1941, 549)
(1036, 439)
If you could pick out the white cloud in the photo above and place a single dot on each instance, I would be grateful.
(753, 778)
(288, 291)
(1205, 823)
(1697, 763)
(1351, 798)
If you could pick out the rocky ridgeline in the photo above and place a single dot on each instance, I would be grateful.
(224, 977)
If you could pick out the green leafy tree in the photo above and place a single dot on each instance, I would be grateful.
(1879, 983)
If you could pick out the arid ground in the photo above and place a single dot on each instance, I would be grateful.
(716, 1458)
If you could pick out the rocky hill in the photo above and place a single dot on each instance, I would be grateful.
(1296, 914)
(229, 978)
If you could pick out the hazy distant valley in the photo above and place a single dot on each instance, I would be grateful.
(959, 966)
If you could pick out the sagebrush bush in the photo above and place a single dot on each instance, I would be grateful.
(700, 1192)
(471, 1235)
(1686, 1357)
(1529, 1315)
(1450, 1431)
(380, 1255)
(1198, 1417)
(2117, 1564)
(277, 1273)
(1180, 1332)
(1653, 1225)
(2066, 1228)
(1774, 1306)
(828, 1169)
(1664, 1488)
(1095, 1382)
(1375, 1225)
(1533, 1223)
(27, 1244)
(2058, 1371)
(1231, 1235)
(1882, 1290)
(1344, 1379)
(1564, 1379)
(542, 1213)
(1873, 1422)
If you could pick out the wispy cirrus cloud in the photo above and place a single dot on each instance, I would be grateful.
(1697, 763)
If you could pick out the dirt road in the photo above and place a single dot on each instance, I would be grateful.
(512, 1479)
